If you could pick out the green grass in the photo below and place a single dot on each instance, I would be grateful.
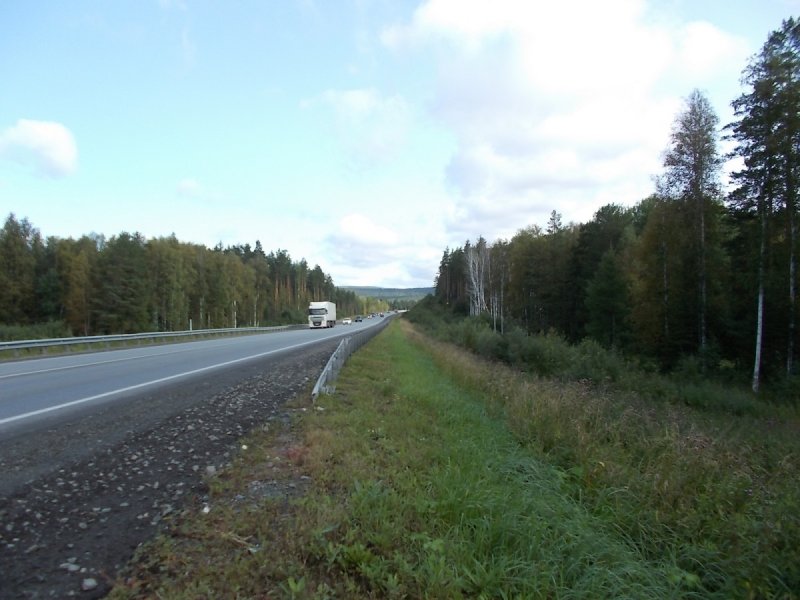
(434, 474)
(445, 502)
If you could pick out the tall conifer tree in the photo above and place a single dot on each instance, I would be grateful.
(767, 133)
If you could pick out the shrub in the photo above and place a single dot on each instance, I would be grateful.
(784, 391)
(490, 344)
(551, 355)
(40, 331)
(710, 395)
(596, 363)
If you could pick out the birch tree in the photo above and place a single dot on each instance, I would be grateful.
(498, 281)
(692, 177)
(478, 264)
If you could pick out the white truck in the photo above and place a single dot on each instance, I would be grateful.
(321, 314)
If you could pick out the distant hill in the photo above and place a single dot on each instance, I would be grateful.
(389, 294)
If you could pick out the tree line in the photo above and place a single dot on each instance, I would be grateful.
(127, 284)
(688, 274)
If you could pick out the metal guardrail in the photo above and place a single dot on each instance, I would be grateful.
(325, 383)
(346, 347)
(101, 339)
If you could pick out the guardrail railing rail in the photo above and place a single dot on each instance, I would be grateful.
(327, 379)
(107, 339)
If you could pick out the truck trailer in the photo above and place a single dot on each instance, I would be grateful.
(321, 314)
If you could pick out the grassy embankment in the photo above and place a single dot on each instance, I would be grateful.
(436, 474)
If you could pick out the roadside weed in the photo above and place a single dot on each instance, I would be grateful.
(431, 473)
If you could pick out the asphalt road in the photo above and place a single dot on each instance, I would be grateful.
(98, 451)
(44, 390)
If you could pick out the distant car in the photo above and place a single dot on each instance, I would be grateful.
(347, 321)
(359, 319)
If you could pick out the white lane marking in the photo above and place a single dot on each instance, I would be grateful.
(147, 383)
(103, 362)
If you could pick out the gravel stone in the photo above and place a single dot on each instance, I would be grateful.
(102, 482)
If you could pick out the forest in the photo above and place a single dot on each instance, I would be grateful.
(691, 274)
(127, 284)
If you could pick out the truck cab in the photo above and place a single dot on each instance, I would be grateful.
(321, 314)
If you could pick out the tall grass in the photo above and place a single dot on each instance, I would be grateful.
(719, 492)
(550, 355)
(441, 500)
(433, 473)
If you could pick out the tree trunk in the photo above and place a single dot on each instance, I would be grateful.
(760, 309)
(759, 332)
(665, 291)
(502, 311)
(702, 277)
(792, 292)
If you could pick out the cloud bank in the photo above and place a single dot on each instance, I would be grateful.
(48, 148)
(565, 105)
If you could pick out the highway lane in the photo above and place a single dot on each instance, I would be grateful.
(92, 481)
(44, 387)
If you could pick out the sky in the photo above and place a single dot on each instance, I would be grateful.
(365, 136)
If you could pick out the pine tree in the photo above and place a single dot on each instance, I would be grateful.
(608, 303)
(18, 271)
(767, 133)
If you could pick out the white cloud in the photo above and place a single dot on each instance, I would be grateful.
(362, 242)
(404, 252)
(565, 105)
(370, 126)
(362, 229)
(703, 49)
(49, 148)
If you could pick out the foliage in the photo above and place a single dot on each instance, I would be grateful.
(679, 274)
(607, 303)
(20, 244)
(550, 355)
(767, 136)
(128, 284)
(378, 299)
(40, 331)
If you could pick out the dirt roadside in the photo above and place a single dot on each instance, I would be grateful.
(76, 501)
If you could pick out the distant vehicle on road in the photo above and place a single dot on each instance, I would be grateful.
(359, 319)
(321, 314)
(347, 321)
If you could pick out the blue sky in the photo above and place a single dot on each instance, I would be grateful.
(362, 135)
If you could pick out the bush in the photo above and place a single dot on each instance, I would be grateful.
(490, 344)
(552, 356)
(785, 390)
(595, 363)
(40, 331)
(710, 395)
(429, 314)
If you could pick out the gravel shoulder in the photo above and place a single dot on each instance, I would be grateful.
(76, 500)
